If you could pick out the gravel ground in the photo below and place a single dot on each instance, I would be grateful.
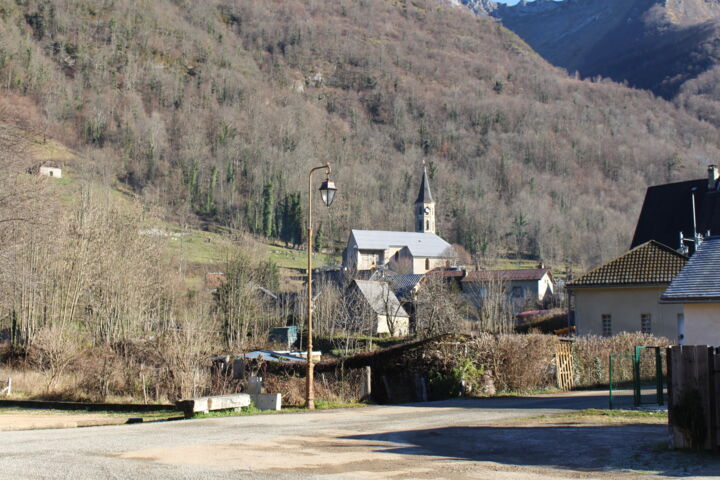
(503, 438)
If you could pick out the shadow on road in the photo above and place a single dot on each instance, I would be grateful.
(637, 447)
(562, 401)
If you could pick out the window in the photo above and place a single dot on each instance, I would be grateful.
(427, 264)
(51, 172)
(645, 323)
(607, 325)
(427, 224)
(517, 292)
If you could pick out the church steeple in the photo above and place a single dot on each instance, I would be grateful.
(425, 206)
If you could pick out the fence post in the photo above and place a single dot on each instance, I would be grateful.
(691, 400)
(610, 370)
(659, 376)
(712, 398)
(637, 399)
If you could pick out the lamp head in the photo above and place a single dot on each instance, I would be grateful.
(327, 190)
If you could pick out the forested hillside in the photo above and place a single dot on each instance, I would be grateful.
(217, 109)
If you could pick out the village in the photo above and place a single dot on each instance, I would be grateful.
(360, 239)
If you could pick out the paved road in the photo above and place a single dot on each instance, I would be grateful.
(461, 439)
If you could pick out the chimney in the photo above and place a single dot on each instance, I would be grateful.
(713, 175)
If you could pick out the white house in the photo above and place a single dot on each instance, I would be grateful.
(522, 285)
(623, 295)
(389, 317)
(51, 171)
(47, 169)
(696, 293)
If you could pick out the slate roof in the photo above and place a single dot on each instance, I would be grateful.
(400, 283)
(481, 276)
(424, 196)
(379, 297)
(651, 263)
(419, 244)
(667, 211)
(699, 281)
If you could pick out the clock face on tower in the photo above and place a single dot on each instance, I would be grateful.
(427, 210)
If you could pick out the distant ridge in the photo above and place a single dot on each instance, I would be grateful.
(656, 45)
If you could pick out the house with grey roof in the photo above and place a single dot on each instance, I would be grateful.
(521, 286)
(623, 295)
(378, 301)
(696, 291)
(403, 252)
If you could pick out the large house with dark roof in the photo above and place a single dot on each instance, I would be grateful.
(667, 212)
(623, 295)
(403, 252)
(696, 290)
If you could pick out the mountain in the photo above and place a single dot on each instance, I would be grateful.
(213, 113)
(651, 44)
(480, 7)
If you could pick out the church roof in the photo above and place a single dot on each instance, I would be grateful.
(419, 244)
(424, 196)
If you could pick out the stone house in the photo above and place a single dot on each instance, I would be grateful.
(401, 252)
(623, 295)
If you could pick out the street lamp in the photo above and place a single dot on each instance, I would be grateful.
(327, 192)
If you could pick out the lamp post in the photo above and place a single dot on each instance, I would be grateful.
(327, 192)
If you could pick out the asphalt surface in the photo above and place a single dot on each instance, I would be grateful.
(453, 439)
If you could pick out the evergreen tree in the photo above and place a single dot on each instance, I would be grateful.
(296, 220)
(286, 226)
(268, 210)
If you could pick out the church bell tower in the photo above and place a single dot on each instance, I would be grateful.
(425, 207)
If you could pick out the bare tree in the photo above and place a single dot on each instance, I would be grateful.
(439, 308)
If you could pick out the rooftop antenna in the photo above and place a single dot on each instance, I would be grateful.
(697, 238)
(692, 195)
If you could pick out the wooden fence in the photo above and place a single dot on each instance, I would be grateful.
(694, 396)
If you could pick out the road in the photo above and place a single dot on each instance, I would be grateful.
(499, 438)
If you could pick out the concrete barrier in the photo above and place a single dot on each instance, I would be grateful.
(267, 401)
(218, 402)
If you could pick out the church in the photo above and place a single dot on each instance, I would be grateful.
(402, 252)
